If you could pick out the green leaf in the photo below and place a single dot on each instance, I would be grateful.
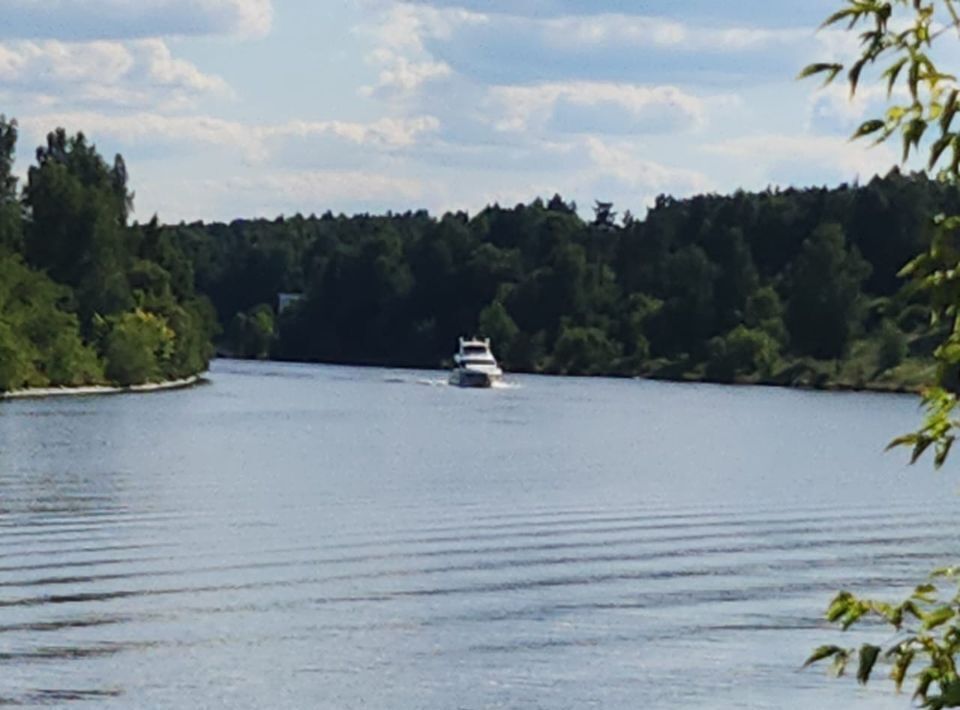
(900, 668)
(868, 658)
(912, 134)
(831, 70)
(942, 143)
(905, 440)
(822, 653)
(839, 606)
(840, 660)
(895, 113)
(923, 683)
(909, 606)
(892, 73)
(949, 698)
(913, 79)
(841, 15)
(867, 128)
(853, 616)
(951, 695)
(950, 110)
(943, 451)
(885, 610)
(922, 445)
(938, 617)
(854, 74)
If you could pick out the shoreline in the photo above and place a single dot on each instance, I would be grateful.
(94, 390)
(874, 387)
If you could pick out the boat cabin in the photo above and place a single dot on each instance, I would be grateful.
(475, 352)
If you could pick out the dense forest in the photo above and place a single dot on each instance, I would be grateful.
(796, 286)
(790, 287)
(86, 298)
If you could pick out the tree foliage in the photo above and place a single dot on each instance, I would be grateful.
(251, 333)
(898, 39)
(136, 346)
(800, 266)
(85, 298)
(826, 293)
(40, 343)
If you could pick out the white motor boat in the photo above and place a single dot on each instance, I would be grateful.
(474, 365)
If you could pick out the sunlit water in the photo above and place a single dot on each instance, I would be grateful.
(318, 537)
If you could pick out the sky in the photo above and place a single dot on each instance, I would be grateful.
(225, 109)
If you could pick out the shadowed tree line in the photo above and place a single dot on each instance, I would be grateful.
(793, 286)
(86, 298)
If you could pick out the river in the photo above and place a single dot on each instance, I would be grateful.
(296, 536)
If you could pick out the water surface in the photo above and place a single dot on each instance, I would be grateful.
(321, 537)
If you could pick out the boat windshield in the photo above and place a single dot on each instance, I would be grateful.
(475, 350)
(478, 360)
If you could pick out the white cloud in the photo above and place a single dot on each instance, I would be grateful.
(821, 154)
(401, 74)
(582, 106)
(400, 33)
(402, 27)
(259, 192)
(128, 19)
(25, 63)
(485, 99)
(641, 31)
(591, 168)
(522, 48)
(306, 189)
(385, 132)
(164, 70)
(252, 141)
(135, 73)
(623, 162)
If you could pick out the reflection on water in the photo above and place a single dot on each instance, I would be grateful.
(297, 536)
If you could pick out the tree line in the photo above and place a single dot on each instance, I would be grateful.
(85, 297)
(796, 286)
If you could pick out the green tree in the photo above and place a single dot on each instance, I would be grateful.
(93, 291)
(742, 351)
(583, 351)
(10, 215)
(78, 208)
(495, 323)
(40, 341)
(136, 345)
(638, 310)
(823, 310)
(891, 346)
(16, 368)
(687, 317)
(251, 334)
(765, 311)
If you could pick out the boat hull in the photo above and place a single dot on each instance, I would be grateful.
(473, 378)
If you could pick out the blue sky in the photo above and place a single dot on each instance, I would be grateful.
(244, 108)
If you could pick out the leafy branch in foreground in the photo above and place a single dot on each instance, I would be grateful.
(898, 38)
(926, 641)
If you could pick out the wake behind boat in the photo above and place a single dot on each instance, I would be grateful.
(474, 365)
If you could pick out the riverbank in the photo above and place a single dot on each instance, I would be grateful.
(91, 390)
(910, 377)
(853, 375)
